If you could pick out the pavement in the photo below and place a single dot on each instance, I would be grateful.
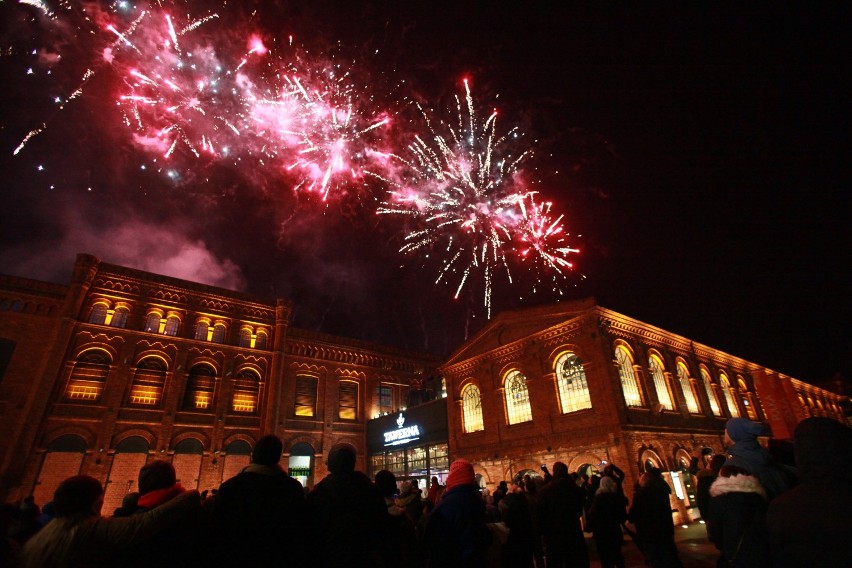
(692, 544)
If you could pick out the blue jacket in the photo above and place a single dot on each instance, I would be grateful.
(456, 534)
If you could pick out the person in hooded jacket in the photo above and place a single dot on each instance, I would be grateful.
(737, 519)
(606, 515)
(399, 540)
(346, 515)
(746, 452)
(811, 525)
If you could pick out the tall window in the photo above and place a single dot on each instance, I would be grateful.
(148, 382)
(384, 394)
(571, 384)
(744, 396)
(245, 337)
(119, 318)
(306, 395)
(261, 340)
(729, 396)
(98, 314)
(629, 386)
(201, 331)
(219, 333)
(172, 326)
(348, 400)
(472, 409)
(88, 377)
(152, 323)
(686, 387)
(711, 396)
(200, 386)
(517, 398)
(655, 365)
(246, 390)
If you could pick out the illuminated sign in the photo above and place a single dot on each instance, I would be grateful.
(403, 434)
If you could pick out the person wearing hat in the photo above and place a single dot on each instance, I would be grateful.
(456, 533)
(744, 451)
(258, 513)
(560, 505)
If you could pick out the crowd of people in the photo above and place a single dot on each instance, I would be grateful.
(759, 513)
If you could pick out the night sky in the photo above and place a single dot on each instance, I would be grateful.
(696, 152)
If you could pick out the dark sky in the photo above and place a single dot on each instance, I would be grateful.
(697, 153)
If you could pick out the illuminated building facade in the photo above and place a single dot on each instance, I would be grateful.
(122, 367)
(578, 383)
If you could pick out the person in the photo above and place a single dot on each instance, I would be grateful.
(706, 477)
(560, 505)
(409, 499)
(500, 492)
(606, 515)
(399, 539)
(456, 534)
(746, 452)
(80, 536)
(518, 550)
(345, 512)
(435, 490)
(533, 486)
(129, 504)
(737, 521)
(616, 473)
(651, 513)
(811, 524)
(257, 514)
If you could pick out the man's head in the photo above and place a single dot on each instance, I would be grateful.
(268, 450)
(386, 482)
(78, 495)
(560, 470)
(740, 429)
(158, 474)
(341, 459)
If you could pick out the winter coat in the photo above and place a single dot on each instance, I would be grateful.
(608, 512)
(755, 459)
(651, 511)
(455, 533)
(92, 540)
(259, 517)
(737, 521)
(560, 505)
(705, 479)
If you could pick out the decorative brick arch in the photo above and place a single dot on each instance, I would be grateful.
(554, 354)
(650, 453)
(238, 437)
(143, 433)
(203, 438)
(204, 361)
(156, 353)
(302, 439)
(582, 459)
(81, 350)
(88, 436)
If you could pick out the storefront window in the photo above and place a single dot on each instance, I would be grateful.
(439, 457)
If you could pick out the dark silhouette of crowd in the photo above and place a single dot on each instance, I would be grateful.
(759, 513)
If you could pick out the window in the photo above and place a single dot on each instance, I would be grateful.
(98, 314)
(384, 394)
(172, 326)
(711, 396)
(246, 390)
(119, 318)
(219, 333)
(655, 365)
(88, 377)
(261, 341)
(306, 395)
(686, 387)
(517, 398)
(200, 386)
(571, 384)
(629, 385)
(152, 323)
(472, 409)
(245, 337)
(201, 331)
(746, 399)
(148, 382)
(729, 396)
(348, 400)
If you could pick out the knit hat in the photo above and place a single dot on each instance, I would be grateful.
(158, 474)
(743, 428)
(461, 473)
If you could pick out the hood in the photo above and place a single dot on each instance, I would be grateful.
(737, 484)
(750, 450)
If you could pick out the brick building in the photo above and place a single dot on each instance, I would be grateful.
(121, 367)
(578, 383)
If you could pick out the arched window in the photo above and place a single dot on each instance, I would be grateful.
(745, 398)
(261, 340)
(686, 387)
(88, 377)
(246, 390)
(517, 398)
(571, 384)
(152, 323)
(98, 314)
(629, 385)
(729, 396)
(711, 396)
(119, 318)
(472, 409)
(172, 326)
(200, 386)
(655, 365)
(201, 331)
(219, 333)
(245, 337)
(148, 382)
